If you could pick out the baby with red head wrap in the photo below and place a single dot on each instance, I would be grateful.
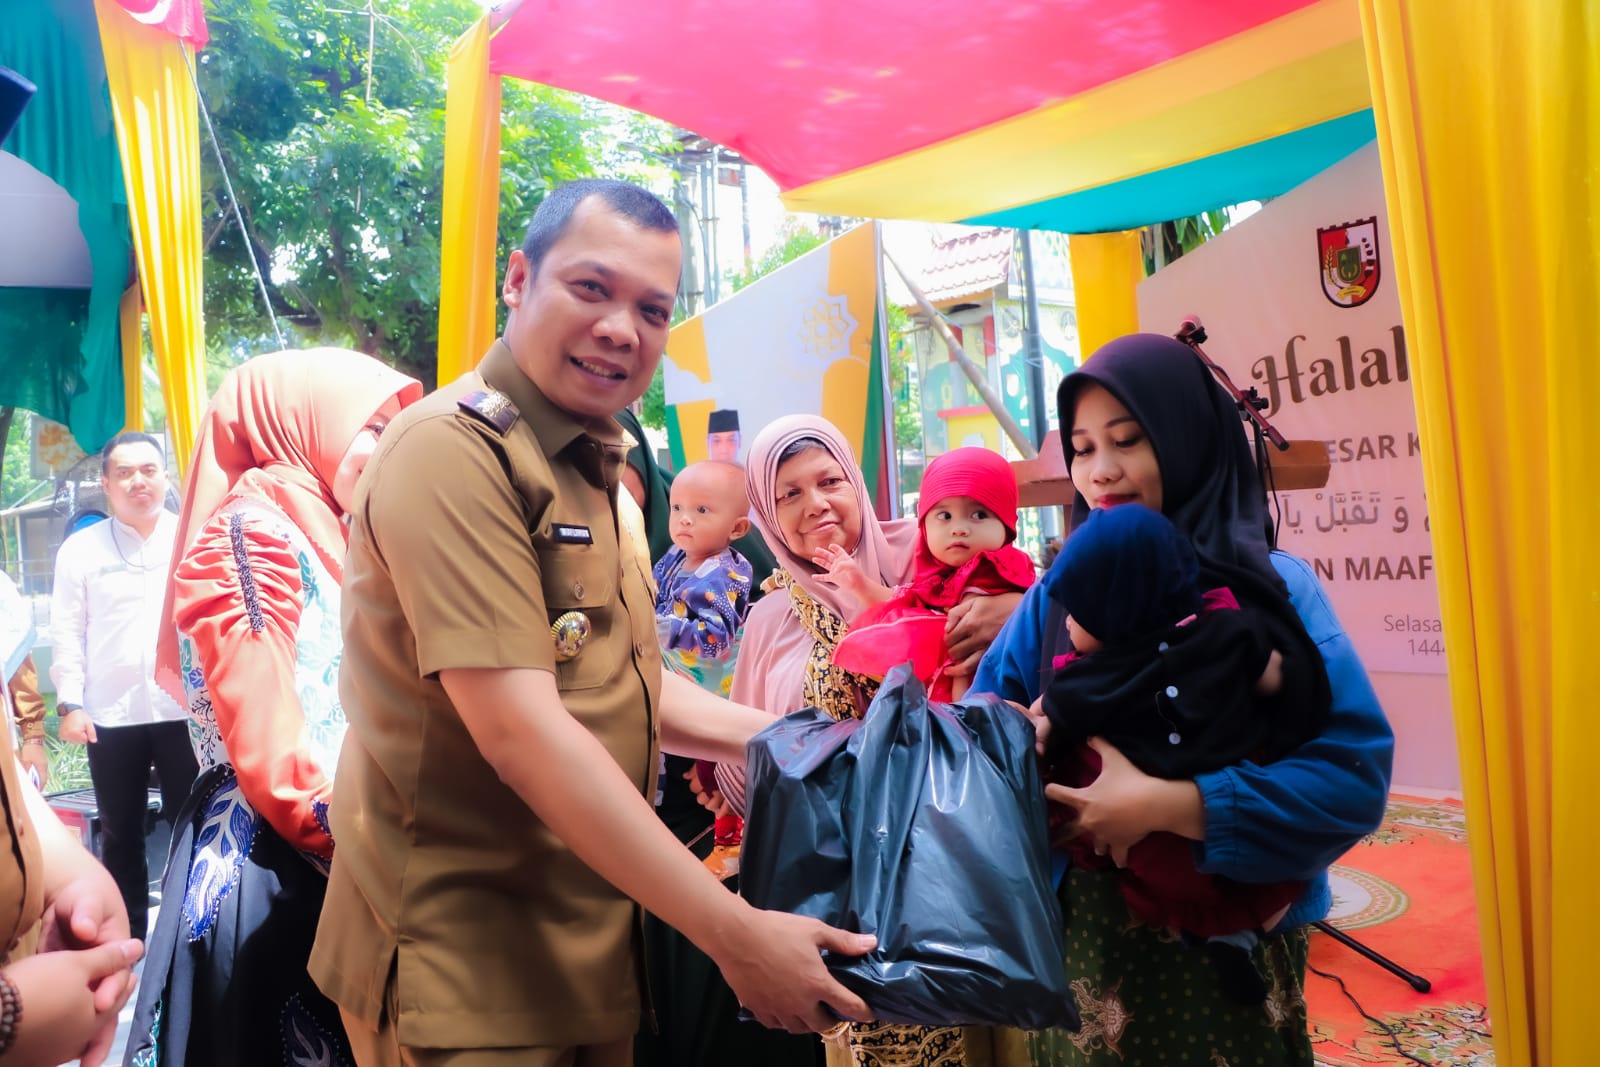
(968, 519)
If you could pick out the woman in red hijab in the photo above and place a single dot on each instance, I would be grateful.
(254, 651)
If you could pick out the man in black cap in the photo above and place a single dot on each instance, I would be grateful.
(722, 435)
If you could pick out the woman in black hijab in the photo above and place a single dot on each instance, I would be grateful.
(1143, 421)
(1210, 491)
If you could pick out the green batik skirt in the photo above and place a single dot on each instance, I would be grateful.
(1148, 1000)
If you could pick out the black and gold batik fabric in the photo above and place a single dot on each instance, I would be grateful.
(1148, 1000)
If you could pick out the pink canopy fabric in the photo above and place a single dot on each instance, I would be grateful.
(185, 19)
(1076, 115)
(811, 88)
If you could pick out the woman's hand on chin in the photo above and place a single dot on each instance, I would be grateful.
(840, 568)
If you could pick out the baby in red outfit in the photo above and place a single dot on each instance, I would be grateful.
(968, 516)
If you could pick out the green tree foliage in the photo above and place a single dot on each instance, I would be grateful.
(653, 405)
(907, 398)
(797, 241)
(14, 477)
(1165, 242)
(330, 117)
(13, 426)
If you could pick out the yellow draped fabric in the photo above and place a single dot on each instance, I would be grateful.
(153, 102)
(1488, 119)
(468, 278)
(131, 325)
(1106, 268)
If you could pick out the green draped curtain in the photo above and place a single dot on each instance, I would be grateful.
(60, 349)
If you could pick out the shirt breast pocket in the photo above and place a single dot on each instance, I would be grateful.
(580, 580)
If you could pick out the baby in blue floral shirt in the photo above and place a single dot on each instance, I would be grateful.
(703, 583)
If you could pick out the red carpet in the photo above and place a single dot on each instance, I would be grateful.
(1405, 892)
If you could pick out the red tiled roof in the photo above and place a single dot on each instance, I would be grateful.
(969, 265)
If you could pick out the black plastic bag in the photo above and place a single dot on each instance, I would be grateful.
(925, 825)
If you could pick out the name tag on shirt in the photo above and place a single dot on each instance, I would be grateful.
(571, 535)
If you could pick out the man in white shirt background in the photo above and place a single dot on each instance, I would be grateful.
(105, 614)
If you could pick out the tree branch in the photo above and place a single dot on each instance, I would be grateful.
(339, 263)
(306, 311)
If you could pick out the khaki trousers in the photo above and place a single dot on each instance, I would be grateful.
(383, 1049)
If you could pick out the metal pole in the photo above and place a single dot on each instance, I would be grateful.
(707, 270)
(744, 211)
(683, 207)
(714, 254)
(1032, 350)
(1033, 357)
(1415, 981)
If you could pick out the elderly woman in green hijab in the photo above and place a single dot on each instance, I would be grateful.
(696, 1013)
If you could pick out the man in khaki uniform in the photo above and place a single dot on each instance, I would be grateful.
(503, 684)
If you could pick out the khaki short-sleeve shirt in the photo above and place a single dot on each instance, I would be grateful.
(476, 527)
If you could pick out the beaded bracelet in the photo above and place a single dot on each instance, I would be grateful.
(10, 1013)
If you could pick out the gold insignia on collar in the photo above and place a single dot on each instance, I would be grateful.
(492, 406)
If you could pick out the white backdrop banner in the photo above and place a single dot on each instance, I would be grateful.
(1300, 302)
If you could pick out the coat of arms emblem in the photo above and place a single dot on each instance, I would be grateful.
(1348, 254)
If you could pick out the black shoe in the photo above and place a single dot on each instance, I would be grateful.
(1236, 973)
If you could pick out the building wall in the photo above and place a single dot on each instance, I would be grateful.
(991, 335)
(953, 412)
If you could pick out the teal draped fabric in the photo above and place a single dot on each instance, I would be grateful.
(60, 349)
(1252, 172)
